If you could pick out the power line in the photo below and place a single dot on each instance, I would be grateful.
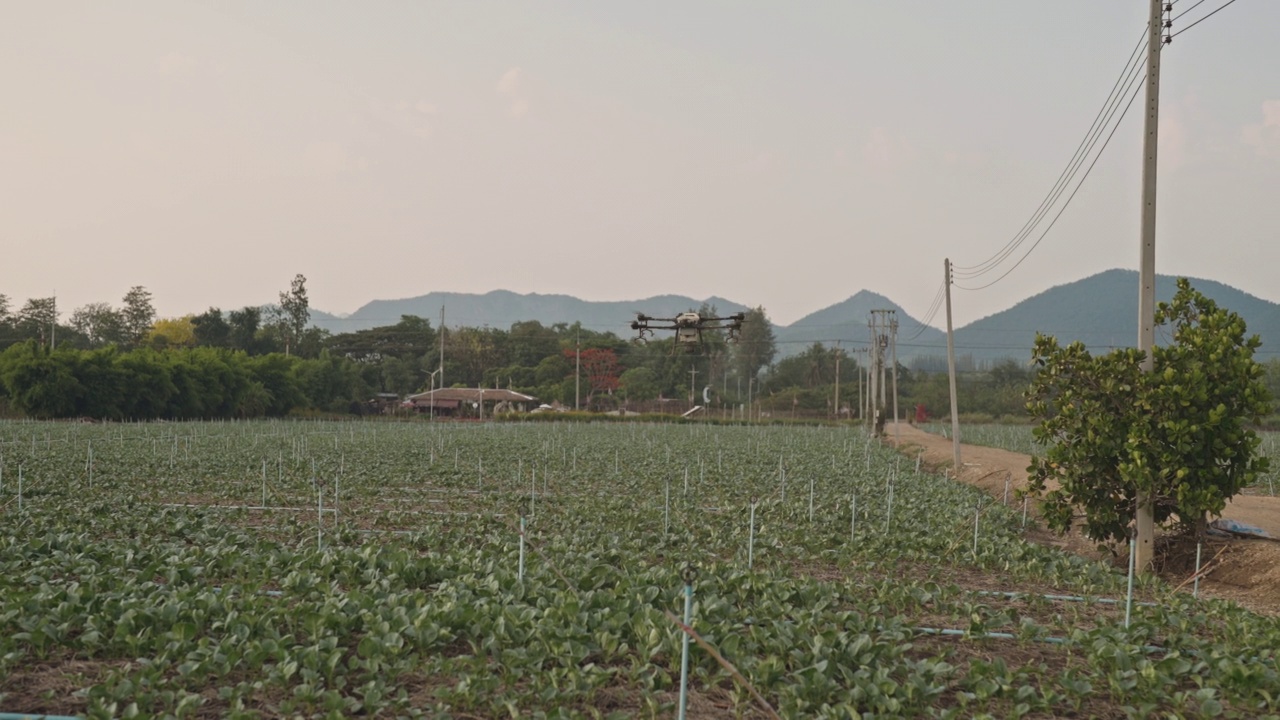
(1206, 17)
(1069, 198)
(933, 310)
(1073, 165)
(1184, 12)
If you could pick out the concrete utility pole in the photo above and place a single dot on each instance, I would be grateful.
(577, 371)
(837, 406)
(893, 343)
(1144, 522)
(884, 329)
(441, 370)
(693, 389)
(951, 369)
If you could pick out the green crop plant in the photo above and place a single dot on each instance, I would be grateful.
(167, 587)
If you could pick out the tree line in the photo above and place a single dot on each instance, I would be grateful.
(124, 362)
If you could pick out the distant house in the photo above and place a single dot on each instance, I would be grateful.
(384, 403)
(474, 402)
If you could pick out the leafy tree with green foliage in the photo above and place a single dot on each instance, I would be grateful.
(36, 319)
(100, 323)
(639, 384)
(1180, 433)
(40, 383)
(756, 346)
(295, 311)
(137, 315)
(212, 329)
(245, 324)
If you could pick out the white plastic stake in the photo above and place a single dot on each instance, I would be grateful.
(666, 507)
(1128, 603)
(810, 498)
(977, 515)
(684, 649)
(1195, 590)
(520, 570)
(853, 517)
(751, 537)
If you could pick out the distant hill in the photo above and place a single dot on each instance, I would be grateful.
(502, 308)
(846, 322)
(1102, 312)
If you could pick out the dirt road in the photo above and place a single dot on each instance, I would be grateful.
(1247, 571)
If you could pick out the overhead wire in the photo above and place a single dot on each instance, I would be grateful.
(1077, 158)
(933, 310)
(1066, 204)
(1197, 22)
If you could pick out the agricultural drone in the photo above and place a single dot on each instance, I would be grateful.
(688, 327)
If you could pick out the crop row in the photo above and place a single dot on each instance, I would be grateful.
(331, 569)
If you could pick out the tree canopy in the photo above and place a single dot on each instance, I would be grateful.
(1181, 433)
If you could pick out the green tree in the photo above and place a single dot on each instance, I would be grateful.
(756, 346)
(37, 318)
(137, 315)
(1179, 433)
(295, 311)
(212, 329)
(639, 384)
(244, 326)
(100, 323)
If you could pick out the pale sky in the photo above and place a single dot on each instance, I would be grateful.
(784, 154)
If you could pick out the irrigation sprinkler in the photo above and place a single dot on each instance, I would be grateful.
(688, 574)
(751, 536)
(1195, 588)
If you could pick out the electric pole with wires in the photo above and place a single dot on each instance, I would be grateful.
(1144, 520)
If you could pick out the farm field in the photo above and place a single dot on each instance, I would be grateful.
(332, 569)
(1017, 438)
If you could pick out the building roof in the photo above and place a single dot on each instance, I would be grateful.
(471, 395)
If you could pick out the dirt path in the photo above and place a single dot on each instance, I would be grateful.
(1248, 571)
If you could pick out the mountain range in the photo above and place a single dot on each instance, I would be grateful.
(1100, 310)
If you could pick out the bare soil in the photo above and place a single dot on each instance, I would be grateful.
(1246, 570)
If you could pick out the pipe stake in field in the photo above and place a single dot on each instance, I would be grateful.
(689, 574)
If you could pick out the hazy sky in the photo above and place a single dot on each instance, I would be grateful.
(786, 154)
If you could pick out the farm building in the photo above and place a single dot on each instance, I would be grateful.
(463, 402)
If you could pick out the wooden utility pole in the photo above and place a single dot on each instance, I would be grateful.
(1144, 522)
(951, 370)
